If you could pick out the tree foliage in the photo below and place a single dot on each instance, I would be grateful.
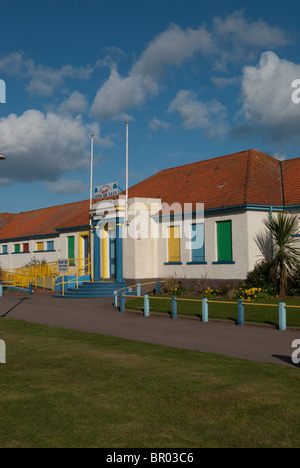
(286, 255)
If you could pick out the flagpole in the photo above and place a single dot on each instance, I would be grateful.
(126, 201)
(92, 263)
(92, 161)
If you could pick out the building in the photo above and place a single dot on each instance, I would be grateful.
(192, 221)
(45, 235)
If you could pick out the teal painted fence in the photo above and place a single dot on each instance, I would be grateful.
(240, 306)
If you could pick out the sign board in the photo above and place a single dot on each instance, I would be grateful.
(62, 265)
(106, 190)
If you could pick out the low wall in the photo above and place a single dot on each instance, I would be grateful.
(188, 283)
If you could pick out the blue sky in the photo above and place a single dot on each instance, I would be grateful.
(195, 79)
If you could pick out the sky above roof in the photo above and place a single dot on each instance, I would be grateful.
(195, 79)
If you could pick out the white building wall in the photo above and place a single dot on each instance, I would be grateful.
(14, 260)
(257, 231)
(256, 228)
(140, 258)
(237, 270)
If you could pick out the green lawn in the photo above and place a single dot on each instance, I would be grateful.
(62, 388)
(224, 311)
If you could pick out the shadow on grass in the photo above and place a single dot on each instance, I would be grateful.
(286, 359)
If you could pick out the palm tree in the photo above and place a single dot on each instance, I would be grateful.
(286, 258)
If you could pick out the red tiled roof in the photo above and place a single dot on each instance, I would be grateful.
(5, 218)
(47, 220)
(248, 177)
(291, 181)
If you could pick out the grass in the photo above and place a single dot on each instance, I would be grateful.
(224, 310)
(63, 388)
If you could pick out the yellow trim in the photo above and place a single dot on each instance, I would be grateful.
(81, 249)
(104, 253)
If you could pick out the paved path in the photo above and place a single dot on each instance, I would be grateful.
(255, 343)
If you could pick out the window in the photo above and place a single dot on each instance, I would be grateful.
(224, 241)
(174, 244)
(40, 246)
(197, 243)
(26, 247)
(50, 245)
(4, 249)
(17, 248)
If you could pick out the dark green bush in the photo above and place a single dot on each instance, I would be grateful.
(260, 277)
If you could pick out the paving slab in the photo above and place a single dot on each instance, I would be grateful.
(255, 343)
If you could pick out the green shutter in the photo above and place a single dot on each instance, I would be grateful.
(71, 250)
(224, 241)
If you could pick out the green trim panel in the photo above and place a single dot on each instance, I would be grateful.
(224, 241)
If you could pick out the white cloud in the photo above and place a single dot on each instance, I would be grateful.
(210, 116)
(63, 186)
(117, 95)
(222, 82)
(157, 124)
(75, 104)
(4, 182)
(42, 80)
(266, 95)
(45, 80)
(240, 40)
(280, 156)
(170, 48)
(230, 39)
(14, 64)
(42, 146)
(235, 28)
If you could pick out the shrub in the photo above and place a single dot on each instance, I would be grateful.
(175, 287)
(212, 292)
(200, 286)
(246, 293)
(260, 278)
(224, 290)
(293, 285)
(35, 262)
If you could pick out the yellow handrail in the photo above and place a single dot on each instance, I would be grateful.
(140, 284)
(38, 274)
(88, 266)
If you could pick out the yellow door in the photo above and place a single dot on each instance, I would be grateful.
(104, 252)
(174, 244)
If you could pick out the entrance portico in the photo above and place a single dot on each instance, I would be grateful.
(107, 238)
(125, 251)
